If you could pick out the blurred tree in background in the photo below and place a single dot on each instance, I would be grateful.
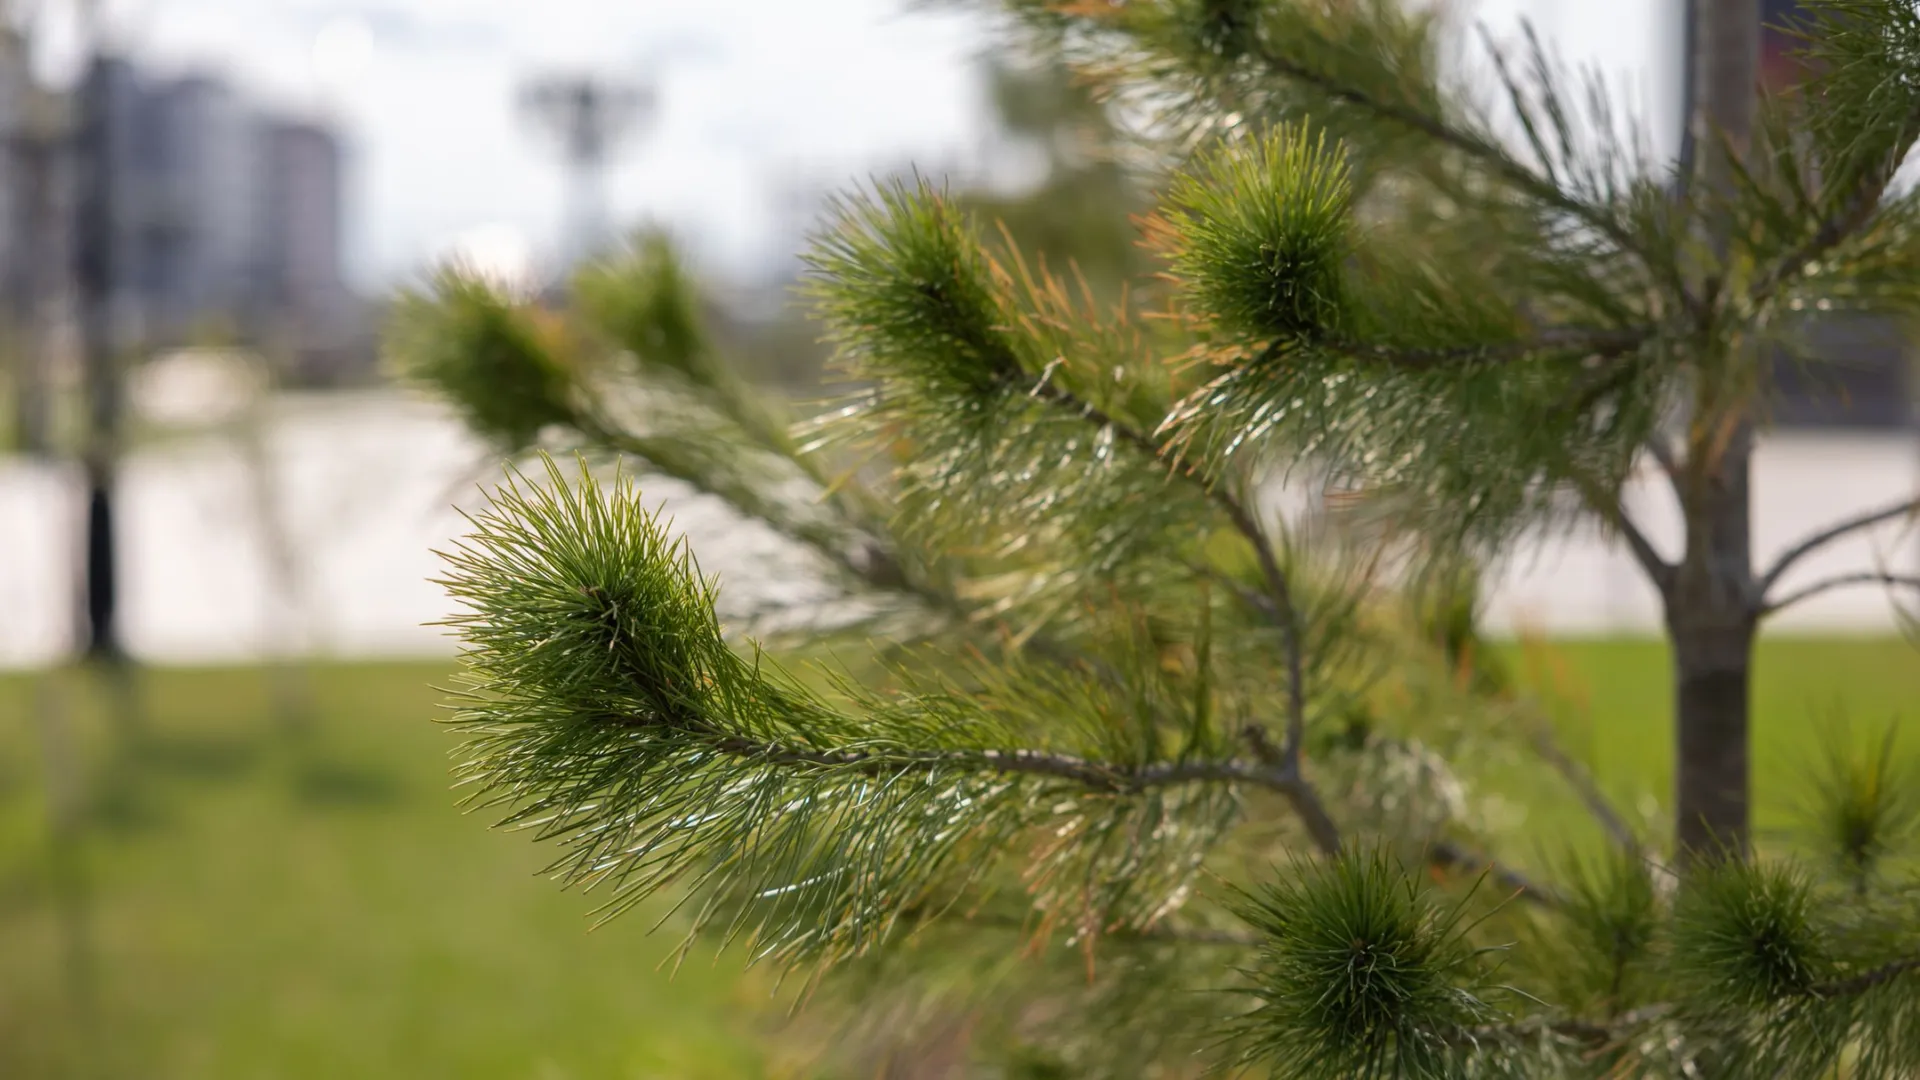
(1142, 777)
(1079, 183)
(1077, 215)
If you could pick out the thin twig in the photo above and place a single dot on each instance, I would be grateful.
(1905, 508)
(1149, 935)
(1446, 853)
(1867, 980)
(1865, 577)
(1596, 1032)
(1304, 799)
(1267, 772)
(1278, 587)
(1602, 1032)
(1234, 939)
(1584, 786)
(1606, 504)
(1251, 597)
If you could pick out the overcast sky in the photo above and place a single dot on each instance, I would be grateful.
(757, 98)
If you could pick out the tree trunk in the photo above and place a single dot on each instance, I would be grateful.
(1711, 619)
(1710, 608)
(1725, 75)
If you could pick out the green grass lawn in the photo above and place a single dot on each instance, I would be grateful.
(1616, 712)
(257, 907)
(257, 911)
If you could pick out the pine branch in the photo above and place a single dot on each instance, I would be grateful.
(1480, 149)
(1865, 577)
(1867, 980)
(1615, 1029)
(1861, 115)
(1853, 212)
(611, 713)
(1094, 776)
(1286, 761)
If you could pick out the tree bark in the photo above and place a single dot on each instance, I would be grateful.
(1724, 94)
(1710, 606)
(1712, 620)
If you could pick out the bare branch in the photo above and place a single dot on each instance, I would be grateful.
(1613, 1029)
(1447, 854)
(1867, 980)
(1594, 1032)
(1584, 786)
(1906, 508)
(1864, 577)
(1607, 506)
(1237, 939)
(1301, 794)
(1278, 586)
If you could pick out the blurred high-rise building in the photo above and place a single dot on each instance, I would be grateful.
(200, 235)
(300, 212)
(221, 221)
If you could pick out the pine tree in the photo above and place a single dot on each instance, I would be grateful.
(1152, 779)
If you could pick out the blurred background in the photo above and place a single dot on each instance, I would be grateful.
(227, 847)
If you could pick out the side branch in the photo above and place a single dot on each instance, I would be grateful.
(1093, 775)
(1606, 504)
(1905, 508)
(1868, 980)
(1302, 796)
(1279, 588)
(1592, 1032)
(1286, 762)
(1588, 790)
(1865, 577)
(1449, 855)
(1601, 1032)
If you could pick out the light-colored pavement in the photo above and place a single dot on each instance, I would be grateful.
(367, 486)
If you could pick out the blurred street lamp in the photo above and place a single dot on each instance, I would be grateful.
(586, 117)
